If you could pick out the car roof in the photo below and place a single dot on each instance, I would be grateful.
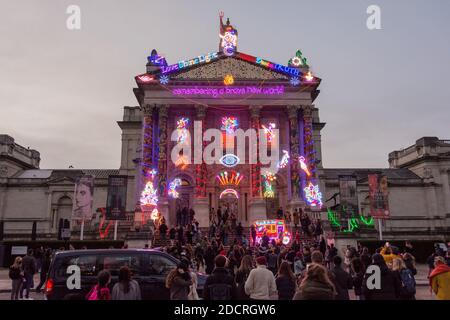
(69, 253)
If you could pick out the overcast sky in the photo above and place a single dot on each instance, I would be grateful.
(62, 91)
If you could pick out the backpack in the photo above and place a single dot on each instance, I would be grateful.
(220, 291)
(408, 282)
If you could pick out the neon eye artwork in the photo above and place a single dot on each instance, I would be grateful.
(313, 195)
(229, 160)
(172, 188)
(284, 160)
(182, 129)
(304, 166)
(229, 124)
(232, 178)
(269, 131)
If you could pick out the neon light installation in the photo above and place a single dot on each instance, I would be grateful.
(148, 195)
(182, 162)
(172, 188)
(229, 160)
(146, 78)
(228, 80)
(154, 215)
(156, 59)
(182, 129)
(230, 179)
(304, 166)
(309, 77)
(217, 92)
(187, 63)
(274, 229)
(229, 124)
(164, 79)
(269, 177)
(229, 42)
(229, 191)
(277, 67)
(295, 81)
(313, 195)
(269, 131)
(298, 60)
(284, 160)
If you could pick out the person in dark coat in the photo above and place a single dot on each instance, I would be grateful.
(390, 285)
(286, 282)
(316, 285)
(366, 258)
(358, 270)
(29, 269)
(45, 266)
(210, 254)
(178, 281)
(219, 276)
(342, 280)
(253, 234)
(180, 232)
(242, 275)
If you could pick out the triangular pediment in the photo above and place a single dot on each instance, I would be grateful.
(239, 69)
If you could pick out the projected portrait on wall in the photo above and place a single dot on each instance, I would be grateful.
(83, 198)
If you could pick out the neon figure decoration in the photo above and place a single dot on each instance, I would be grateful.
(304, 166)
(164, 79)
(269, 177)
(295, 81)
(182, 129)
(229, 124)
(229, 160)
(229, 191)
(309, 77)
(172, 188)
(313, 195)
(269, 131)
(274, 229)
(156, 59)
(228, 35)
(228, 80)
(148, 195)
(229, 179)
(284, 160)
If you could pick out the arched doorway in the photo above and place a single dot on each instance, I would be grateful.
(185, 191)
(229, 200)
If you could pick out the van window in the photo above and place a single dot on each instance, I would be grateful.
(113, 263)
(86, 263)
(160, 265)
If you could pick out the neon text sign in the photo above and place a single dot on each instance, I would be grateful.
(187, 63)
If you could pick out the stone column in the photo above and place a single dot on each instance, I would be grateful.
(163, 205)
(445, 189)
(294, 173)
(146, 164)
(201, 206)
(309, 141)
(257, 205)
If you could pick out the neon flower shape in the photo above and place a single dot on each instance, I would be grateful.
(284, 160)
(295, 81)
(296, 61)
(309, 77)
(155, 214)
(269, 131)
(304, 166)
(182, 162)
(229, 124)
(172, 188)
(145, 78)
(182, 129)
(164, 79)
(229, 179)
(286, 237)
(313, 195)
(148, 195)
(229, 160)
(229, 191)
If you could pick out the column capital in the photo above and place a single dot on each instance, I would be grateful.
(255, 111)
(307, 110)
(147, 109)
(163, 110)
(201, 111)
(292, 111)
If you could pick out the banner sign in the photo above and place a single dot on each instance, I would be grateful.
(117, 198)
(348, 196)
(83, 198)
(378, 194)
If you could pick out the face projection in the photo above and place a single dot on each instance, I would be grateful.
(83, 196)
(83, 199)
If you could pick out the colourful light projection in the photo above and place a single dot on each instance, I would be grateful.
(228, 80)
(229, 42)
(268, 178)
(229, 160)
(172, 188)
(229, 191)
(304, 166)
(309, 77)
(229, 124)
(313, 195)
(233, 178)
(145, 78)
(217, 92)
(284, 160)
(187, 63)
(269, 131)
(164, 79)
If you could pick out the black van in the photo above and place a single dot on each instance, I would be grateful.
(149, 268)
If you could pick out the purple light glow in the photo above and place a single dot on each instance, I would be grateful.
(229, 91)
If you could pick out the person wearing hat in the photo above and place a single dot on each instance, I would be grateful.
(260, 284)
(440, 279)
(179, 281)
